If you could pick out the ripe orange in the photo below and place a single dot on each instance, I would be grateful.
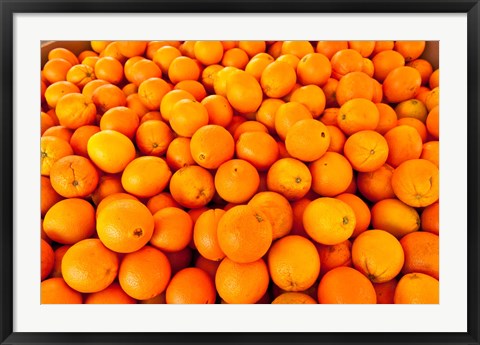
(287, 115)
(416, 182)
(88, 266)
(74, 110)
(417, 288)
(345, 285)
(187, 116)
(144, 273)
(385, 291)
(293, 263)
(376, 185)
(386, 61)
(331, 174)
(125, 225)
(73, 177)
(220, 112)
(110, 150)
(278, 79)
(354, 85)
(146, 176)
(410, 50)
(58, 89)
(109, 69)
(56, 291)
(51, 150)
(333, 256)
(178, 153)
(378, 255)
(366, 150)
(394, 216)
(329, 221)
(192, 186)
(404, 143)
(191, 286)
(345, 61)
(47, 259)
(173, 229)
(430, 218)
(205, 234)
(211, 146)
(360, 209)
(358, 114)
(258, 148)
(289, 177)
(243, 92)
(151, 92)
(244, 233)
(183, 68)
(401, 84)
(294, 298)
(421, 253)
(120, 119)
(307, 140)
(153, 137)
(236, 181)
(241, 283)
(79, 139)
(277, 209)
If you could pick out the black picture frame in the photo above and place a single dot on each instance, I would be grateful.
(7, 10)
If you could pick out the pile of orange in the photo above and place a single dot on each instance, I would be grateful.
(240, 172)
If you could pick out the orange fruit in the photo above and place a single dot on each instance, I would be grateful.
(430, 151)
(88, 266)
(417, 124)
(258, 148)
(331, 174)
(56, 291)
(69, 221)
(416, 182)
(113, 294)
(58, 89)
(307, 140)
(205, 234)
(329, 48)
(257, 65)
(110, 150)
(120, 119)
(410, 50)
(236, 181)
(294, 298)
(394, 216)
(153, 138)
(170, 99)
(220, 112)
(79, 139)
(248, 126)
(187, 116)
(401, 84)
(333, 256)
(112, 197)
(434, 79)
(311, 96)
(194, 87)
(345, 61)
(277, 209)
(421, 253)
(376, 185)
(208, 76)
(51, 150)
(412, 108)
(142, 70)
(386, 61)
(73, 177)
(144, 273)
(404, 143)
(109, 69)
(132, 48)
(358, 114)
(329, 221)
(388, 118)
(365, 48)
(266, 113)
(146, 176)
(337, 139)
(164, 56)
(160, 201)
(108, 96)
(383, 45)
(278, 79)
(417, 288)
(192, 186)
(59, 253)
(366, 150)
(360, 209)
(289, 177)
(330, 91)
(191, 286)
(178, 153)
(252, 48)
(354, 85)
(74, 110)
(287, 115)
(297, 47)
(151, 92)
(424, 67)
(56, 70)
(211, 146)
(244, 234)
(91, 86)
(241, 283)
(208, 52)
(243, 92)
(430, 218)
(293, 263)
(345, 285)
(173, 229)
(314, 69)
(62, 53)
(107, 185)
(235, 57)
(378, 255)
(124, 225)
(183, 68)
(48, 195)
(47, 259)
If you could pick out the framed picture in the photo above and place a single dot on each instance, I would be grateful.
(31, 30)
